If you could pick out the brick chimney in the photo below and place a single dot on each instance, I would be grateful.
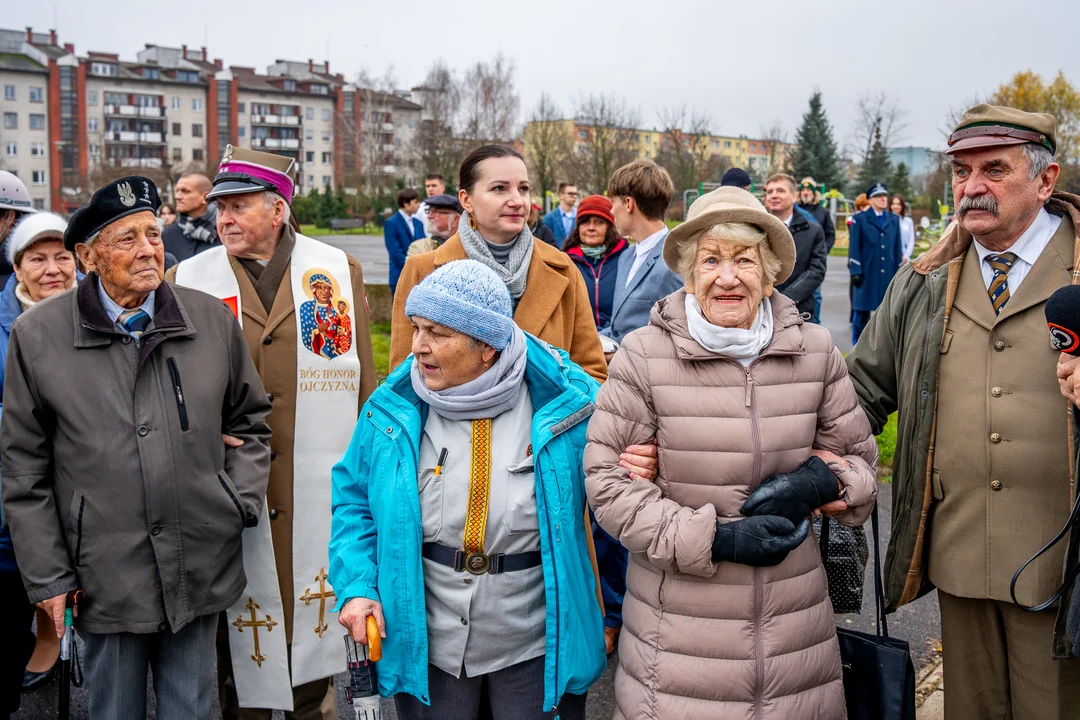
(310, 65)
(326, 66)
(69, 48)
(52, 37)
(29, 34)
(219, 64)
(183, 50)
(204, 54)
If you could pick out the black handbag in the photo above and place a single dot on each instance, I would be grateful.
(879, 678)
(844, 553)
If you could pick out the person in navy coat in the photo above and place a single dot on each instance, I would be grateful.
(400, 230)
(874, 256)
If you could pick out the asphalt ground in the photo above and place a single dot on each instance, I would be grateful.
(917, 623)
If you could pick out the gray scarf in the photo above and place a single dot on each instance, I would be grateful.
(201, 229)
(516, 270)
(488, 396)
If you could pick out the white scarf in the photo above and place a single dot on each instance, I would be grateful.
(489, 395)
(742, 345)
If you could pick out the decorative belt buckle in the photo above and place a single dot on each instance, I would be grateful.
(477, 563)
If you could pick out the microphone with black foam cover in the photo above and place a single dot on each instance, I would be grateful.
(1063, 319)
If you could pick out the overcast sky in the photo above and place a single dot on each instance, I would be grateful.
(746, 63)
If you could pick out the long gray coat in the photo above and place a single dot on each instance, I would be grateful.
(115, 477)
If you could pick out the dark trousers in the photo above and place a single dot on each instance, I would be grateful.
(997, 663)
(816, 319)
(611, 560)
(311, 701)
(859, 320)
(16, 619)
(182, 664)
(513, 693)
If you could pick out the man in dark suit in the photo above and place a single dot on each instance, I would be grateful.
(874, 256)
(400, 230)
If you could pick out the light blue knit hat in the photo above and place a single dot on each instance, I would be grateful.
(468, 297)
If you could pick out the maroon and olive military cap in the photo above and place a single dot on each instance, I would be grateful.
(995, 125)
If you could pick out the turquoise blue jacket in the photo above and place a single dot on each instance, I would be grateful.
(376, 532)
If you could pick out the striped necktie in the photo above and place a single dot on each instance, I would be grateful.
(1002, 263)
(134, 322)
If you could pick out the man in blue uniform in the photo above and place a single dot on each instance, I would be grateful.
(874, 256)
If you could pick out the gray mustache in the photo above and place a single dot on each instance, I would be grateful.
(979, 202)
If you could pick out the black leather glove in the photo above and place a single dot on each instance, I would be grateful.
(794, 495)
(856, 280)
(760, 541)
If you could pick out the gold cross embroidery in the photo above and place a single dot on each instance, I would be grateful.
(240, 623)
(324, 592)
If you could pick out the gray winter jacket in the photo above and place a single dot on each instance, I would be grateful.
(116, 480)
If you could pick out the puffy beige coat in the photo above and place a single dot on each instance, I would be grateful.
(717, 641)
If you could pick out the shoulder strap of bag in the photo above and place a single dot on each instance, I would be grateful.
(879, 593)
(1069, 578)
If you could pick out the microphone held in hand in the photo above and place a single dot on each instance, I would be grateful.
(1063, 319)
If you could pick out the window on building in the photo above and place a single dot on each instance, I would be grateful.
(92, 124)
(309, 156)
(326, 115)
(727, 144)
(151, 73)
(412, 124)
(363, 116)
(242, 131)
(753, 147)
(37, 149)
(196, 104)
(309, 136)
(37, 122)
(196, 130)
(319, 90)
(11, 121)
(38, 177)
(309, 113)
(326, 180)
(95, 150)
(100, 68)
(39, 203)
(187, 76)
(147, 100)
(310, 180)
(240, 108)
(91, 97)
(177, 154)
(9, 93)
(288, 85)
(326, 158)
(175, 103)
(37, 94)
(326, 137)
(716, 144)
(177, 129)
(197, 154)
(11, 149)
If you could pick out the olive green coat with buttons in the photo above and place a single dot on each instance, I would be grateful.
(116, 481)
(897, 367)
(272, 339)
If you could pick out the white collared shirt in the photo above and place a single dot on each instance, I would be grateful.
(1027, 249)
(114, 310)
(408, 223)
(642, 250)
(790, 218)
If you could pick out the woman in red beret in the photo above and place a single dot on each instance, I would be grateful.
(594, 246)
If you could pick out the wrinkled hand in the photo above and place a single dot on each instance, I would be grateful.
(1068, 372)
(836, 507)
(232, 442)
(856, 280)
(642, 462)
(794, 495)
(760, 541)
(55, 606)
(354, 616)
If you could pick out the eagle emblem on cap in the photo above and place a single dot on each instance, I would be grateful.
(228, 154)
(126, 195)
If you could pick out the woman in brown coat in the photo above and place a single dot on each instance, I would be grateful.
(727, 613)
(550, 298)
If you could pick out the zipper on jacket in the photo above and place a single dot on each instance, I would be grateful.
(759, 674)
(555, 585)
(78, 537)
(235, 500)
(174, 373)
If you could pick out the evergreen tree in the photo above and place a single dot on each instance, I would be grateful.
(815, 154)
(900, 184)
(325, 211)
(341, 208)
(876, 167)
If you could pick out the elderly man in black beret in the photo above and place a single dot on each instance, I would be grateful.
(116, 478)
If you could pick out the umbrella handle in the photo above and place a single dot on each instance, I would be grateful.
(374, 640)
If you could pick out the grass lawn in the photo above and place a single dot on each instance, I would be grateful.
(312, 231)
(380, 343)
(886, 443)
(838, 251)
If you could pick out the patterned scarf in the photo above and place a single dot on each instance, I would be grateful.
(516, 270)
(201, 229)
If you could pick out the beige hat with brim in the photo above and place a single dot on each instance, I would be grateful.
(731, 205)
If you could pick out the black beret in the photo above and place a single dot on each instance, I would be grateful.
(447, 202)
(118, 199)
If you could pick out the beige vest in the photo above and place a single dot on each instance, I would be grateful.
(1001, 467)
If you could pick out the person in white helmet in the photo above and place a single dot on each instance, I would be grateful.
(14, 203)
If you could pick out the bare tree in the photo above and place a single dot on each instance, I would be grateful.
(878, 114)
(604, 139)
(686, 149)
(371, 133)
(490, 102)
(548, 144)
(776, 135)
(440, 97)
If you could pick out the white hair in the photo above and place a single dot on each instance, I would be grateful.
(1039, 158)
(91, 238)
(270, 198)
